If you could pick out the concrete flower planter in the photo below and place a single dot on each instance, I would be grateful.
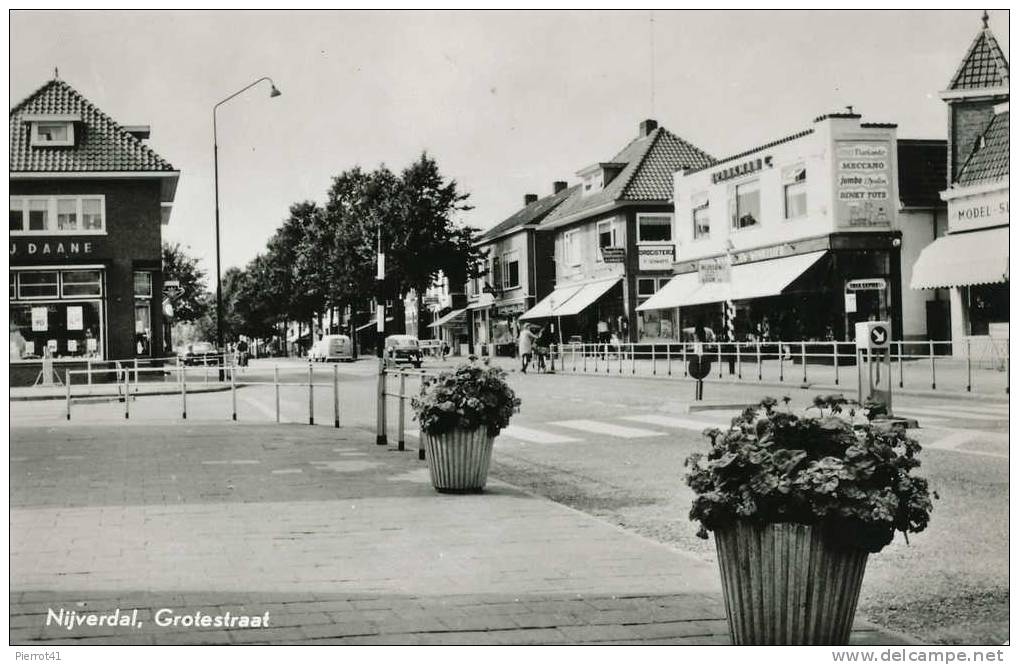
(783, 584)
(458, 461)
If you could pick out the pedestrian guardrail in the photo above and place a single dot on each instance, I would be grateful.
(935, 365)
(126, 381)
(403, 376)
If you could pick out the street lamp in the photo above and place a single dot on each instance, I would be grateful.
(273, 92)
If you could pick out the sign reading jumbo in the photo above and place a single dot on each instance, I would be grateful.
(863, 190)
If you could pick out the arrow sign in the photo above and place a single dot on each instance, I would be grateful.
(878, 336)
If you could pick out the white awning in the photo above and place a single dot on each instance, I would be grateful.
(451, 317)
(569, 300)
(371, 324)
(484, 300)
(747, 280)
(963, 259)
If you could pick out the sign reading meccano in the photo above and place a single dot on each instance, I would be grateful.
(863, 184)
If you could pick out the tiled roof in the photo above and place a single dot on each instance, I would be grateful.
(984, 65)
(989, 160)
(650, 162)
(531, 214)
(100, 143)
(923, 172)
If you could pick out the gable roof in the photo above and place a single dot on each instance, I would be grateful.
(989, 160)
(531, 214)
(984, 65)
(101, 144)
(923, 172)
(650, 162)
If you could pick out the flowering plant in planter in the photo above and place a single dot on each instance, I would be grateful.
(854, 481)
(470, 397)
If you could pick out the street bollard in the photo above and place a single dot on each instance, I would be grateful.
(311, 394)
(969, 368)
(276, 387)
(233, 392)
(183, 394)
(400, 426)
(336, 396)
(803, 359)
(934, 382)
(835, 358)
(380, 423)
(67, 385)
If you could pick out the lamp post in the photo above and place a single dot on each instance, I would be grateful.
(273, 92)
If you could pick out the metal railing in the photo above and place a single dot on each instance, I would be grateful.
(422, 377)
(128, 389)
(970, 364)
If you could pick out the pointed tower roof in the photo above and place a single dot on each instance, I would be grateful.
(984, 65)
(104, 145)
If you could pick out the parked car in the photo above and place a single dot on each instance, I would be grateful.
(403, 348)
(200, 353)
(332, 348)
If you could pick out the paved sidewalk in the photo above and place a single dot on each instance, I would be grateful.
(338, 540)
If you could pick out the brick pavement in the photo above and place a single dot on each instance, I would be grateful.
(338, 540)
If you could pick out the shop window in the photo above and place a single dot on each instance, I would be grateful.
(988, 303)
(92, 214)
(17, 214)
(795, 191)
(68, 329)
(52, 133)
(606, 237)
(646, 287)
(654, 229)
(745, 205)
(701, 222)
(143, 326)
(38, 214)
(658, 324)
(67, 214)
(510, 270)
(77, 283)
(571, 248)
(14, 292)
(37, 284)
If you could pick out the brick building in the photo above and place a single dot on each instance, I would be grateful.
(88, 199)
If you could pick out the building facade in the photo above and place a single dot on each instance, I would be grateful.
(519, 271)
(88, 199)
(613, 240)
(971, 260)
(797, 239)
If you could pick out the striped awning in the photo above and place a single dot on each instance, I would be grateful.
(963, 259)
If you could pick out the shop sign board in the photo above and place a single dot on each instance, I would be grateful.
(54, 249)
(40, 319)
(712, 271)
(979, 211)
(613, 254)
(863, 184)
(656, 257)
(850, 303)
(876, 284)
(742, 169)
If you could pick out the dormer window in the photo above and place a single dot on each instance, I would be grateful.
(52, 133)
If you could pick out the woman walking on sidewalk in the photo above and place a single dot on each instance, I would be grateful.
(526, 344)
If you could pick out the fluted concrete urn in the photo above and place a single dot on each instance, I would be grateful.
(458, 460)
(785, 585)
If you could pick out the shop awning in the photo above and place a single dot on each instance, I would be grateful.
(371, 324)
(484, 300)
(963, 259)
(747, 280)
(455, 316)
(570, 300)
(673, 294)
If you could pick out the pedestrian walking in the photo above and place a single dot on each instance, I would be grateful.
(543, 348)
(526, 343)
(242, 353)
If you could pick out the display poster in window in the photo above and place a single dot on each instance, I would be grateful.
(656, 257)
(51, 344)
(91, 344)
(850, 303)
(75, 320)
(29, 347)
(72, 346)
(40, 319)
(863, 184)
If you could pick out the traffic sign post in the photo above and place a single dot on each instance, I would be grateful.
(873, 341)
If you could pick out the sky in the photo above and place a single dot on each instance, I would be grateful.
(506, 102)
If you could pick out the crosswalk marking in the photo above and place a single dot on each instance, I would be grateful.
(535, 435)
(917, 411)
(598, 427)
(669, 421)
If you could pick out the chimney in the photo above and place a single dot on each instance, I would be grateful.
(530, 198)
(647, 126)
(558, 186)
